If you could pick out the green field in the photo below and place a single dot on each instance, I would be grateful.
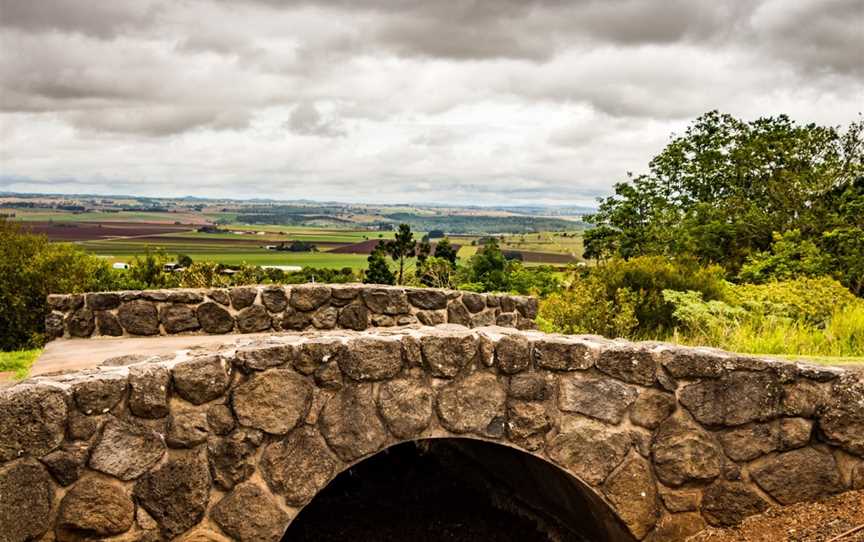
(237, 248)
(124, 251)
(322, 234)
(305, 234)
(43, 215)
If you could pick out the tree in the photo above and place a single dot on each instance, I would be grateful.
(436, 272)
(423, 250)
(149, 269)
(444, 250)
(30, 269)
(488, 267)
(790, 257)
(401, 247)
(184, 260)
(378, 271)
(600, 243)
(720, 190)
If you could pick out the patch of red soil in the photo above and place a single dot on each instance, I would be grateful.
(93, 231)
(805, 522)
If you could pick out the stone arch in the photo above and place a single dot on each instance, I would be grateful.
(542, 491)
(671, 438)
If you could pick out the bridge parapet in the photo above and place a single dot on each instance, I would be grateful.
(251, 309)
(230, 443)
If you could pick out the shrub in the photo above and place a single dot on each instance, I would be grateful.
(584, 307)
(772, 327)
(625, 297)
(30, 269)
(791, 256)
(813, 300)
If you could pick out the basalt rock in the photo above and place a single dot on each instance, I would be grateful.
(26, 499)
(406, 406)
(32, 420)
(350, 423)
(176, 493)
(250, 514)
(139, 318)
(298, 466)
(94, 508)
(273, 401)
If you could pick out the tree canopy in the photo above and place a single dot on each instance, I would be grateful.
(724, 190)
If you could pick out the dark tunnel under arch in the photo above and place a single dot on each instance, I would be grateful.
(456, 489)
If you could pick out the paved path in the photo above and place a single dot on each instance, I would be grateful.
(75, 354)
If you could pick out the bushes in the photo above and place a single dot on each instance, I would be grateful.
(30, 269)
(585, 308)
(625, 298)
(813, 300)
(799, 317)
(803, 316)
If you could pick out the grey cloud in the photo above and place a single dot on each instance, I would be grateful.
(474, 98)
(158, 121)
(819, 37)
(102, 18)
(307, 120)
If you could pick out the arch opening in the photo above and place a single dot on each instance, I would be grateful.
(458, 490)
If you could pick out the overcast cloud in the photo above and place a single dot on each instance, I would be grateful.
(469, 101)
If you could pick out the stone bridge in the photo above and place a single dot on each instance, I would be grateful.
(609, 440)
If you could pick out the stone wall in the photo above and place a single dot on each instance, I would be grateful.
(251, 309)
(230, 444)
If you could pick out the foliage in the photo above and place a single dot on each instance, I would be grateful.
(759, 331)
(629, 296)
(203, 275)
(149, 269)
(444, 249)
(401, 247)
(539, 281)
(845, 246)
(487, 267)
(719, 191)
(378, 271)
(812, 300)
(184, 260)
(585, 308)
(30, 269)
(791, 256)
(436, 272)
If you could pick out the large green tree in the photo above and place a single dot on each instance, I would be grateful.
(721, 190)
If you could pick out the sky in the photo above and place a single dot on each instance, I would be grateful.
(466, 101)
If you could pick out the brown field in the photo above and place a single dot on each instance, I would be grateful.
(544, 257)
(93, 231)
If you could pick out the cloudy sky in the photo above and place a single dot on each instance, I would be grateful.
(483, 101)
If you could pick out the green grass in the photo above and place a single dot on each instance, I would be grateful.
(322, 234)
(18, 361)
(234, 256)
(96, 216)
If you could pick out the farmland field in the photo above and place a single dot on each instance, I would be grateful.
(121, 235)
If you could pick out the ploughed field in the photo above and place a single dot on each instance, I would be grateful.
(121, 236)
